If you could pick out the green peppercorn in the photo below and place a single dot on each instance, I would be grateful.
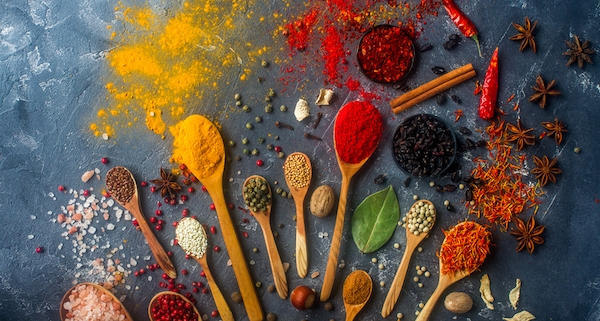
(278, 190)
(246, 108)
(280, 155)
(271, 93)
(270, 147)
(246, 151)
(245, 141)
(264, 63)
(284, 194)
(257, 119)
(255, 152)
(268, 108)
(237, 97)
(261, 140)
(283, 108)
(249, 126)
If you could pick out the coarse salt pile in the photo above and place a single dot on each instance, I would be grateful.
(86, 302)
(191, 237)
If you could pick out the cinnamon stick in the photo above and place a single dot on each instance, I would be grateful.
(432, 88)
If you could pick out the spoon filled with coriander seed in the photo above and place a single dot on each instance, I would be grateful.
(419, 220)
(257, 196)
(298, 173)
(122, 187)
(190, 235)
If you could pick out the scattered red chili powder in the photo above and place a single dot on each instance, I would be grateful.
(465, 248)
(358, 129)
(501, 194)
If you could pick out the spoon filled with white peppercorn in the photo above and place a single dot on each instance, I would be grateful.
(257, 196)
(419, 220)
(122, 187)
(190, 235)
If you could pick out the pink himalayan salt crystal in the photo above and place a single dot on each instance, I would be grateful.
(88, 303)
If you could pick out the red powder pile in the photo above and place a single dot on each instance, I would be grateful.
(358, 129)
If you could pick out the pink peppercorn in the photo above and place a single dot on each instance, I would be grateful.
(135, 223)
(212, 207)
(86, 193)
(204, 188)
(191, 190)
(158, 227)
(259, 162)
(153, 189)
(278, 149)
(202, 274)
(153, 220)
(184, 198)
(39, 249)
(215, 313)
(144, 183)
(245, 234)
(185, 212)
(213, 229)
(61, 188)
(104, 160)
(184, 272)
(205, 290)
(158, 212)
(216, 248)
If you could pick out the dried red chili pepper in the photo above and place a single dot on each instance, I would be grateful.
(489, 92)
(464, 24)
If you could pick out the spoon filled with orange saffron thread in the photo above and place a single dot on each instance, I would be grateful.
(82, 294)
(464, 249)
(191, 236)
(161, 305)
(419, 221)
(257, 196)
(358, 128)
(298, 173)
(122, 187)
(357, 290)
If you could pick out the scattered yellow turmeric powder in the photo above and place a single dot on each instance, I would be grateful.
(164, 62)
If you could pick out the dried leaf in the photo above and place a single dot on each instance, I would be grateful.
(514, 295)
(486, 292)
(375, 220)
(521, 316)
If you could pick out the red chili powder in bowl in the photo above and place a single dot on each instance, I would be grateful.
(357, 131)
(386, 54)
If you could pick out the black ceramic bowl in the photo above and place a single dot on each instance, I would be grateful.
(423, 145)
(386, 54)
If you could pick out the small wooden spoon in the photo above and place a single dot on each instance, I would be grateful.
(299, 193)
(224, 311)
(263, 218)
(133, 206)
(348, 170)
(153, 300)
(412, 241)
(63, 311)
(353, 309)
(214, 186)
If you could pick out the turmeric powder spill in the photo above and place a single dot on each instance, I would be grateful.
(198, 145)
(167, 59)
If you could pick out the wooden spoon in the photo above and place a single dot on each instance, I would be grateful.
(263, 218)
(153, 300)
(353, 309)
(214, 186)
(298, 194)
(63, 311)
(125, 180)
(412, 241)
(348, 170)
(199, 233)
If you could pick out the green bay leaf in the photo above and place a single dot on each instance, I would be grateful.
(375, 220)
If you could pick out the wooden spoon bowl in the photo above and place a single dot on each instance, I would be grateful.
(154, 299)
(66, 298)
(352, 309)
(263, 218)
(298, 194)
(412, 241)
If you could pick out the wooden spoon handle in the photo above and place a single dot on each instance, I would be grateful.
(157, 250)
(396, 288)
(301, 252)
(224, 312)
(334, 250)
(443, 284)
(275, 260)
(351, 312)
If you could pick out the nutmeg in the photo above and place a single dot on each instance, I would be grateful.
(458, 302)
(322, 201)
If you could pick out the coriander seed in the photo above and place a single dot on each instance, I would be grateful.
(249, 126)
(257, 119)
(237, 97)
(231, 143)
(268, 108)
(264, 63)
(255, 152)
(246, 108)
(283, 108)
(245, 141)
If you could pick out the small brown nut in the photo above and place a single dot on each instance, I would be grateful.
(322, 201)
(458, 302)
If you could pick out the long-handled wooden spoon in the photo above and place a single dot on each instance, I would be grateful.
(122, 187)
(170, 293)
(476, 246)
(412, 240)
(66, 298)
(263, 218)
(298, 174)
(214, 186)
(348, 170)
(352, 308)
(192, 238)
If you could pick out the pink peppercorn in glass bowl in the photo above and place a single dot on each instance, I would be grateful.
(386, 54)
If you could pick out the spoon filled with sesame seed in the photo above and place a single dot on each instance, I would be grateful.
(418, 222)
(192, 238)
(257, 196)
(122, 187)
(298, 173)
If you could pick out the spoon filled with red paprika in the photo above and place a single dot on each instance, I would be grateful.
(357, 131)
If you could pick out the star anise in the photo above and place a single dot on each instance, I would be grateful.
(167, 184)
(520, 135)
(557, 128)
(579, 52)
(545, 169)
(525, 34)
(528, 234)
(542, 91)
